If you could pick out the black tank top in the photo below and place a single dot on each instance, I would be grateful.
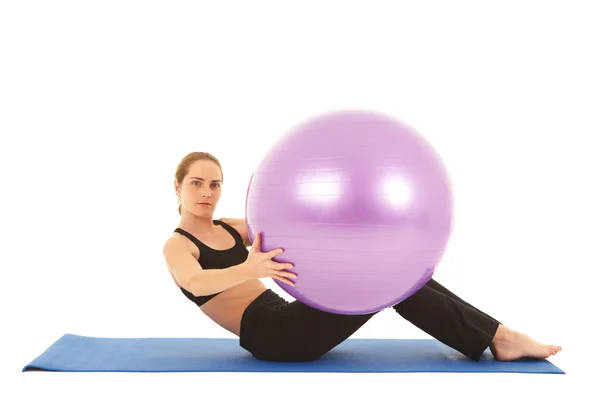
(216, 259)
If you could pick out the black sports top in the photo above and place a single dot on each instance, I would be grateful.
(216, 259)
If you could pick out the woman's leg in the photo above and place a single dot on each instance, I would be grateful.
(273, 329)
(276, 330)
(310, 333)
(437, 286)
(449, 320)
(283, 331)
(297, 332)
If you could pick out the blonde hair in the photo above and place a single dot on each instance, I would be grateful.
(184, 166)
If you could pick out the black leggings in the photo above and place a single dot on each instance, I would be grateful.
(274, 329)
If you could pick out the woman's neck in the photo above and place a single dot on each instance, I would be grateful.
(191, 222)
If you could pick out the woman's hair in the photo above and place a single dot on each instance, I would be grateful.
(184, 165)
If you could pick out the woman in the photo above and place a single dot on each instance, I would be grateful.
(209, 261)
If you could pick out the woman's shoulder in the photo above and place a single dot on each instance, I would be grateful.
(239, 224)
(177, 243)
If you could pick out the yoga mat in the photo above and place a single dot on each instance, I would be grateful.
(74, 353)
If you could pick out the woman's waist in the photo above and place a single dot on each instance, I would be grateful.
(227, 308)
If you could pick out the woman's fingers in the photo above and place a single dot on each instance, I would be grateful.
(257, 240)
(282, 269)
(274, 253)
(283, 275)
(280, 265)
(286, 274)
(284, 280)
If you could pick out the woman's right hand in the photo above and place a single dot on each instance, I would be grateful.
(261, 265)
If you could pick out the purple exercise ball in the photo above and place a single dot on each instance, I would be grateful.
(361, 204)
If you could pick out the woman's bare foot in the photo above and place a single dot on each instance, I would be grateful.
(509, 345)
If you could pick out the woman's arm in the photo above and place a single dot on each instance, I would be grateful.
(190, 275)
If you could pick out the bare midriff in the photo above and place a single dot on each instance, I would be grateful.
(226, 308)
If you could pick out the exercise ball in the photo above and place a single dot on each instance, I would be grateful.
(361, 205)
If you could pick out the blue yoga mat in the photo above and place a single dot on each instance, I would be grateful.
(74, 353)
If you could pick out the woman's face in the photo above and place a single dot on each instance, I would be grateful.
(200, 190)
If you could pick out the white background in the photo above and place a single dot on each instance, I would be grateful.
(100, 100)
